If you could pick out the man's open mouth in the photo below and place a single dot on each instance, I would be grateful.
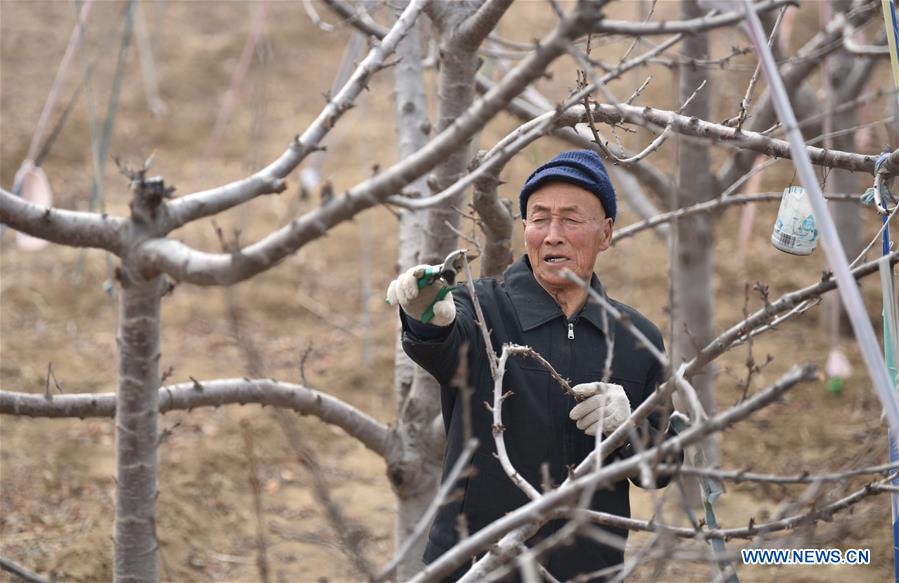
(555, 259)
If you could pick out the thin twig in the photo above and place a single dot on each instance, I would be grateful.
(744, 475)
(652, 9)
(47, 394)
(710, 206)
(725, 341)
(527, 351)
(482, 323)
(747, 99)
(303, 357)
(638, 91)
(22, 572)
(498, 429)
(261, 545)
(814, 514)
(875, 239)
(351, 536)
(527, 133)
(312, 13)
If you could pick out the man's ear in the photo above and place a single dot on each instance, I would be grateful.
(605, 234)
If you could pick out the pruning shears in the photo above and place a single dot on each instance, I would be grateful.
(435, 281)
(447, 271)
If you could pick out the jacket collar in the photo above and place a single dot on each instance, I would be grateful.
(536, 307)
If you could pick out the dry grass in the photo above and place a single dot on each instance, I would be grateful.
(57, 487)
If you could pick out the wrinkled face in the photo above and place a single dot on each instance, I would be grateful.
(566, 227)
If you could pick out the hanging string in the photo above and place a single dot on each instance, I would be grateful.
(32, 181)
(28, 165)
(60, 123)
(97, 197)
(87, 82)
(310, 175)
(100, 143)
(61, 73)
(257, 29)
(147, 65)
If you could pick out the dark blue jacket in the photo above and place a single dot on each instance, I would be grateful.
(538, 429)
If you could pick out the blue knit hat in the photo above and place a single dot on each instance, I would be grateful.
(582, 168)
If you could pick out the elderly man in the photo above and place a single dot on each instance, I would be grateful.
(568, 207)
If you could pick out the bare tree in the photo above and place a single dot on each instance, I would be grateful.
(428, 186)
(692, 249)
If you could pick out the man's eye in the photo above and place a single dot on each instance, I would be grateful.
(539, 220)
(571, 221)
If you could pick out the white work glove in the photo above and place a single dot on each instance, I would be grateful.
(404, 291)
(606, 401)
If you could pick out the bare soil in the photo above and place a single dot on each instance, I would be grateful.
(56, 476)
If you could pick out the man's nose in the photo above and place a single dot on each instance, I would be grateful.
(555, 234)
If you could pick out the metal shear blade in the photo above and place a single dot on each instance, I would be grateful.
(453, 264)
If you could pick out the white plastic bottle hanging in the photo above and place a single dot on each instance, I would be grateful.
(795, 231)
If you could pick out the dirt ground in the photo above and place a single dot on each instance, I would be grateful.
(56, 476)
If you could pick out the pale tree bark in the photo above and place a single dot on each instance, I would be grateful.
(413, 129)
(136, 435)
(692, 249)
(137, 394)
(75, 228)
(213, 393)
(847, 76)
(496, 223)
(462, 30)
(732, 137)
(458, 65)
(412, 467)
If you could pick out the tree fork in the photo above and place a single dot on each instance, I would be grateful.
(137, 392)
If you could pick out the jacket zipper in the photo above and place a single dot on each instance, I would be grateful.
(568, 429)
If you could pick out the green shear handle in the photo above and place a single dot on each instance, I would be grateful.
(434, 281)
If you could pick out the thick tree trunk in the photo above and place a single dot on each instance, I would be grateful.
(846, 77)
(136, 436)
(413, 469)
(413, 128)
(414, 461)
(693, 251)
(497, 224)
(846, 215)
(458, 66)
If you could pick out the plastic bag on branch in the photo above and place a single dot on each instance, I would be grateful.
(35, 188)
